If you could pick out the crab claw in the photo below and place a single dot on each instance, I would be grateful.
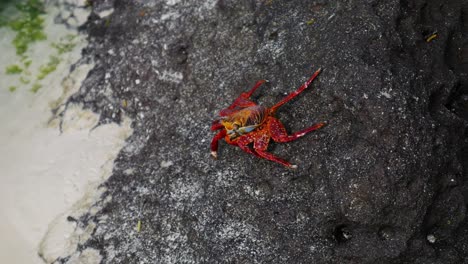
(214, 154)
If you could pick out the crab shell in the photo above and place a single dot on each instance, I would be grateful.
(244, 121)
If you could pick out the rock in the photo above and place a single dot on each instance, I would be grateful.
(386, 173)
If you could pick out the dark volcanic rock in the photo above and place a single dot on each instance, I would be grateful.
(384, 182)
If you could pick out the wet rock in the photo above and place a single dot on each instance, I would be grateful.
(388, 170)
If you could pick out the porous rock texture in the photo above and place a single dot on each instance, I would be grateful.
(384, 182)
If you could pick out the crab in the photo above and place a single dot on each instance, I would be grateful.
(245, 122)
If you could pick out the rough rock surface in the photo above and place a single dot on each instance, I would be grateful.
(384, 182)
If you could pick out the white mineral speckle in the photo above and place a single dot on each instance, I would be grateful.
(170, 15)
(386, 95)
(172, 2)
(129, 171)
(166, 164)
(105, 13)
(431, 238)
(170, 76)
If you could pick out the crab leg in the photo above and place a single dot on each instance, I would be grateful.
(279, 134)
(216, 125)
(214, 143)
(244, 142)
(249, 93)
(242, 101)
(269, 156)
(295, 93)
(261, 145)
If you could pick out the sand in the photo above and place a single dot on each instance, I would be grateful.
(45, 173)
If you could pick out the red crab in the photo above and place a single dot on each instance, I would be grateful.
(244, 122)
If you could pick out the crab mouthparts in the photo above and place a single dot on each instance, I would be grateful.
(236, 132)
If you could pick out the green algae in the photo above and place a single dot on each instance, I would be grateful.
(13, 69)
(36, 87)
(66, 44)
(28, 25)
(24, 80)
(46, 69)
